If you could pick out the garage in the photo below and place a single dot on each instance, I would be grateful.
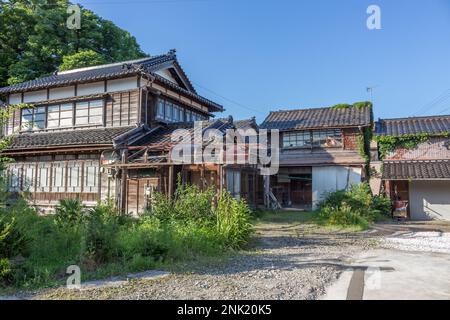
(430, 200)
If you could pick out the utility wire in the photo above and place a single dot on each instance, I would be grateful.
(229, 100)
(435, 102)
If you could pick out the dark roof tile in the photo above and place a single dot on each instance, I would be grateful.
(413, 125)
(303, 119)
(65, 138)
(416, 170)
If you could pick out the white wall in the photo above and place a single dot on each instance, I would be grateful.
(429, 200)
(15, 98)
(69, 91)
(122, 84)
(91, 88)
(62, 93)
(332, 178)
(35, 96)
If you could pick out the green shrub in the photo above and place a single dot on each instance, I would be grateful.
(356, 206)
(5, 271)
(69, 212)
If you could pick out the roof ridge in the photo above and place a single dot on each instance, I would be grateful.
(107, 65)
(315, 108)
(414, 118)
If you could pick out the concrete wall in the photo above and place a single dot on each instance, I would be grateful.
(429, 200)
(332, 178)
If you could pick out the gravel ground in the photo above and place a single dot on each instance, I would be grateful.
(287, 261)
(428, 241)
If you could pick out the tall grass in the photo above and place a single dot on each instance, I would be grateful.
(36, 250)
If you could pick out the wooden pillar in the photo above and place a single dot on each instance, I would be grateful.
(170, 191)
(202, 177)
(266, 190)
(123, 189)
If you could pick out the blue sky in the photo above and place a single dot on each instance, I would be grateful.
(254, 56)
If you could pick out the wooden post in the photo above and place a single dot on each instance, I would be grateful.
(170, 191)
(202, 177)
(123, 191)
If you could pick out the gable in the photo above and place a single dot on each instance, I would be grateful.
(165, 73)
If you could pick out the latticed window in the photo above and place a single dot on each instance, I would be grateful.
(33, 118)
(89, 112)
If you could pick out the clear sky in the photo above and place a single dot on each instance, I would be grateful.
(254, 56)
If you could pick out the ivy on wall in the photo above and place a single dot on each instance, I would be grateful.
(388, 144)
(363, 140)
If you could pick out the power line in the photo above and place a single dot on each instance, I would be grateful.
(229, 100)
(435, 102)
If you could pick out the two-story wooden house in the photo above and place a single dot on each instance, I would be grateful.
(319, 152)
(416, 164)
(100, 132)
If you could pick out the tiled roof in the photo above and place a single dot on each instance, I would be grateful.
(161, 138)
(413, 125)
(66, 138)
(416, 170)
(302, 119)
(116, 70)
(89, 74)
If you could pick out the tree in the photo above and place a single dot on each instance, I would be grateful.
(34, 39)
(86, 58)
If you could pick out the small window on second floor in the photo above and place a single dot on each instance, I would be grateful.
(60, 115)
(89, 112)
(33, 118)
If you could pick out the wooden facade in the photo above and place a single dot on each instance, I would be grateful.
(86, 140)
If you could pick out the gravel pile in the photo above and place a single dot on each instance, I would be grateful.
(430, 241)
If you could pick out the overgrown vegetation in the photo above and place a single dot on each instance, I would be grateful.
(364, 139)
(358, 105)
(356, 206)
(36, 250)
(389, 143)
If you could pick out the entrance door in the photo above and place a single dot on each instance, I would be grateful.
(301, 189)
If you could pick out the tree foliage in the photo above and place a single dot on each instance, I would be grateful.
(81, 59)
(34, 39)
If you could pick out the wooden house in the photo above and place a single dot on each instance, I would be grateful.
(417, 169)
(101, 132)
(319, 152)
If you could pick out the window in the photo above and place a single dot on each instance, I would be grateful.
(327, 138)
(91, 172)
(234, 183)
(43, 175)
(317, 138)
(58, 175)
(297, 139)
(33, 118)
(74, 177)
(60, 115)
(28, 177)
(89, 112)
(171, 112)
(160, 110)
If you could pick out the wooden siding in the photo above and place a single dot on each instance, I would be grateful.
(122, 108)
